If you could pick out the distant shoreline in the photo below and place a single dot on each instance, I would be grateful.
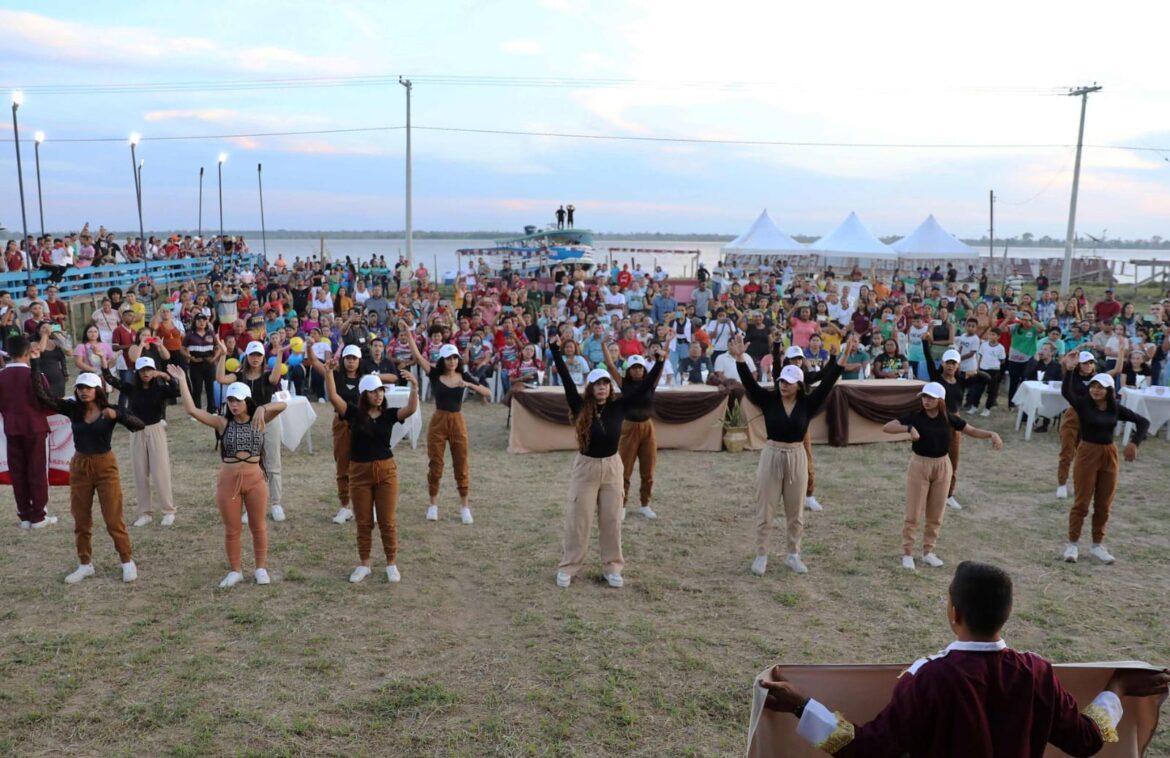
(1082, 243)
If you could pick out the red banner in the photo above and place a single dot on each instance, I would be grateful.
(60, 452)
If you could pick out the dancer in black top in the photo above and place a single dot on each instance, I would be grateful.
(1095, 466)
(373, 475)
(955, 383)
(595, 482)
(94, 469)
(638, 443)
(448, 380)
(929, 477)
(782, 475)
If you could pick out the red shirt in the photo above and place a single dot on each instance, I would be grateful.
(631, 346)
(123, 337)
(624, 278)
(15, 261)
(1107, 310)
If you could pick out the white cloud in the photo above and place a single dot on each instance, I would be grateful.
(522, 47)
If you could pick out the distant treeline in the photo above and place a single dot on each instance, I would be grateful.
(1024, 240)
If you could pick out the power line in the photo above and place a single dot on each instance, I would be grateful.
(621, 138)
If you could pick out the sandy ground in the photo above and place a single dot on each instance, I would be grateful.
(477, 652)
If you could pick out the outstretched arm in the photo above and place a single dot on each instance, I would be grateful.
(213, 420)
(335, 399)
(610, 366)
(757, 394)
(419, 358)
(571, 395)
(411, 406)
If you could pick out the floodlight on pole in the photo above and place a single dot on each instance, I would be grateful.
(17, 101)
(38, 138)
(136, 169)
(219, 169)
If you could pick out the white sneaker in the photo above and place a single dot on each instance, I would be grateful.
(465, 516)
(168, 519)
(244, 517)
(970, 410)
(1099, 552)
(648, 512)
(143, 520)
(25, 524)
(793, 562)
(231, 580)
(321, 401)
(615, 580)
(392, 574)
(954, 504)
(343, 514)
(908, 562)
(432, 513)
(48, 521)
(623, 513)
(262, 576)
(1071, 553)
(932, 560)
(760, 565)
(359, 573)
(985, 412)
(811, 503)
(81, 572)
(129, 571)
(277, 513)
(1062, 492)
(563, 579)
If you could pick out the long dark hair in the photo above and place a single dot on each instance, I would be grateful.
(251, 407)
(100, 398)
(583, 421)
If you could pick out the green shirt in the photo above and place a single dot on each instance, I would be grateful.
(1024, 341)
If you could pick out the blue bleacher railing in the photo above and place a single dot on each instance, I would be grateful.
(82, 282)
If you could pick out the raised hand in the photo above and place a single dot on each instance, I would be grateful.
(915, 436)
(176, 373)
(996, 441)
(331, 363)
(1130, 452)
(736, 347)
(410, 378)
(110, 413)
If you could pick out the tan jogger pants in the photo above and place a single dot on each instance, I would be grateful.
(595, 492)
(812, 468)
(272, 467)
(927, 483)
(341, 459)
(1094, 481)
(953, 454)
(782, 476)
(151, 459)
(1070, 435)
(638, 445)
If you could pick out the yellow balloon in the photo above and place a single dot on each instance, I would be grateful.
(283, 369)
(231, 365)
(297, 344)
(325, 341)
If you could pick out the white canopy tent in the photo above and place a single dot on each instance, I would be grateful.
(930, 240)
(853, 240)
(763, 237)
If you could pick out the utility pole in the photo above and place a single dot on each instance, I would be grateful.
(263, 231)
(991, 232)
(199, 233)
(1070, 237)
(409, 230)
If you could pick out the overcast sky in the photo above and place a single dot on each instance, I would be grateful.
(904, 73)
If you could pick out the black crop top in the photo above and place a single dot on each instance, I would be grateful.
(347, 388)
(934, 432)
(639, 408)
(448, 399)
(93, 438)
(954, 390)
(1097, 425)
(606, 431)
(369, 438)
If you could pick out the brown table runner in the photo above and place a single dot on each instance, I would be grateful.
(876, 401)
(673, 407)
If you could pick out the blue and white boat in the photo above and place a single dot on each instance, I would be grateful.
(536, 248)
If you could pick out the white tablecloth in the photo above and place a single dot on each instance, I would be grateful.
(1034, 399)
(295, 422)
(1148, 403)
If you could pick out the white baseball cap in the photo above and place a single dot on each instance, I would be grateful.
(791, 374)
(1086, 357)
(254, 348)
(637, 360)
(596, 375)
(794, 352)
(446, 351)
(351, 351)
(369, 383)
(143, 362)
(88, 379)
(1105, 380)
(952, 355)
(935, 390)
(238, 391)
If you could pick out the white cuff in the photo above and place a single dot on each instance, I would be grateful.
(1111, 704)
(817, 723)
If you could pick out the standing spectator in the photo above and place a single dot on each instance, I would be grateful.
(25, 432)
(1107, 309)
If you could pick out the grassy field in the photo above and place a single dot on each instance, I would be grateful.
(478, 653)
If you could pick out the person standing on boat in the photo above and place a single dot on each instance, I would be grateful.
(561, 217)
(569, 209)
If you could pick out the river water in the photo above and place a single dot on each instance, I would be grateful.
(439, 254)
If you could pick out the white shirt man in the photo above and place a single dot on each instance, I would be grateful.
(615, 303)
(991, 356)
(721, 332)
(968, 347)
(725, 366)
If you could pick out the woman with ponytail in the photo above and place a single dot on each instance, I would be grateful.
(241, 484)
(596, 483)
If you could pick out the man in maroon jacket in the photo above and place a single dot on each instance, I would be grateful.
(976, 698)
(25, 430)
